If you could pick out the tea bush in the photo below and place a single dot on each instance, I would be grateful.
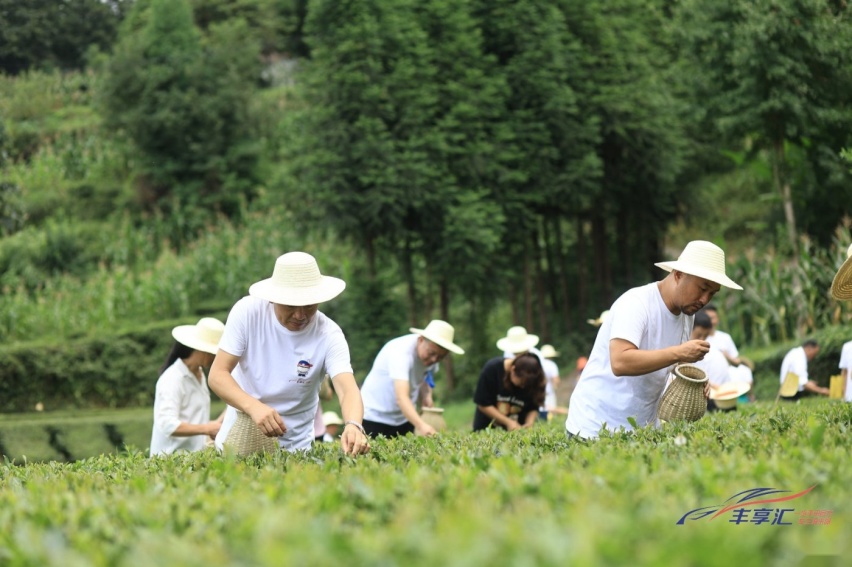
(527, 498)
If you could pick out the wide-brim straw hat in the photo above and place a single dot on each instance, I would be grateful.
(704, 260)
(547, 351)
(600, 320)
(725, 396)
(203, 336)
(296, 281)
(331, 418)
(441, 333)
(246, 438)
(517, 340)
(841, 286)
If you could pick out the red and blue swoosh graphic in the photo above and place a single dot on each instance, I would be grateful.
(751, 497)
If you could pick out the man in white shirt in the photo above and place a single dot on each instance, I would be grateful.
(796, 362)
(714, 363)
(275, 351)
(721, 340)
(646, 333)
(724, 385)
(845, 366)
(399, 376)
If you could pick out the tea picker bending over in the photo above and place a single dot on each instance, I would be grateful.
(399, 376)
(796, 362)
(275, 351)
(511, 387)
(646, 332)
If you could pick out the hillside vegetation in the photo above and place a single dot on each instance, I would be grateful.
(486, 163)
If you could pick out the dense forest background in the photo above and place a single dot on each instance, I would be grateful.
(486, 162)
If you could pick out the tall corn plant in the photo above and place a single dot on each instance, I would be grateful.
(768, 310)
(219, 267)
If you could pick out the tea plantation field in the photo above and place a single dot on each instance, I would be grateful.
(527, 498)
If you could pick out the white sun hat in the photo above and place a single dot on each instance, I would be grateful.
(841, 286)
(600, 320)
(441, 333)
(703, 259)
(547, 351)
(203, 336)
(517, 340)
(296, 281)
(331, 418)
(726, 395)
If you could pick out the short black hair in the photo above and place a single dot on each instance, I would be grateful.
(702, 320)
(810, 343)
(710, 307)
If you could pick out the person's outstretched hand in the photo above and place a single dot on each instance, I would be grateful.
(427, 430)
(268, 420)
(353, 441)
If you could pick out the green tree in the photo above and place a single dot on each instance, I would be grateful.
(458, 226)
(277, 24)
(55, 33)
(551, 164)
(397, 142)
(776, 73)
(360, 157)
(182, 99)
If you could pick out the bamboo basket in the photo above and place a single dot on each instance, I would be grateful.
(684, 399)
(246, 438)
(434, 417)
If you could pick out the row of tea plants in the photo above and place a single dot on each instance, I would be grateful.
(528, 498)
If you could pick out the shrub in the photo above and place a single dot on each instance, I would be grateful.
(113, 370)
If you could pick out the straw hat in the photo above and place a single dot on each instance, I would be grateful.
(600, 320)
(203, 336)
(841, 286)
(331, 418)
(547, 351)
(703, 259)
(441, 333)
(517, 340)
(296, 281)
(725, 396)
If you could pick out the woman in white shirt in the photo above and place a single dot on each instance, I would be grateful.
(182, 400)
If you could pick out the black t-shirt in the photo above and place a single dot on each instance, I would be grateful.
(490, 391)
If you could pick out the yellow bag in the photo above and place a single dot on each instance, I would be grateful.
(836, 387)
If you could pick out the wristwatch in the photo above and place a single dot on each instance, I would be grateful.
(356, 424)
